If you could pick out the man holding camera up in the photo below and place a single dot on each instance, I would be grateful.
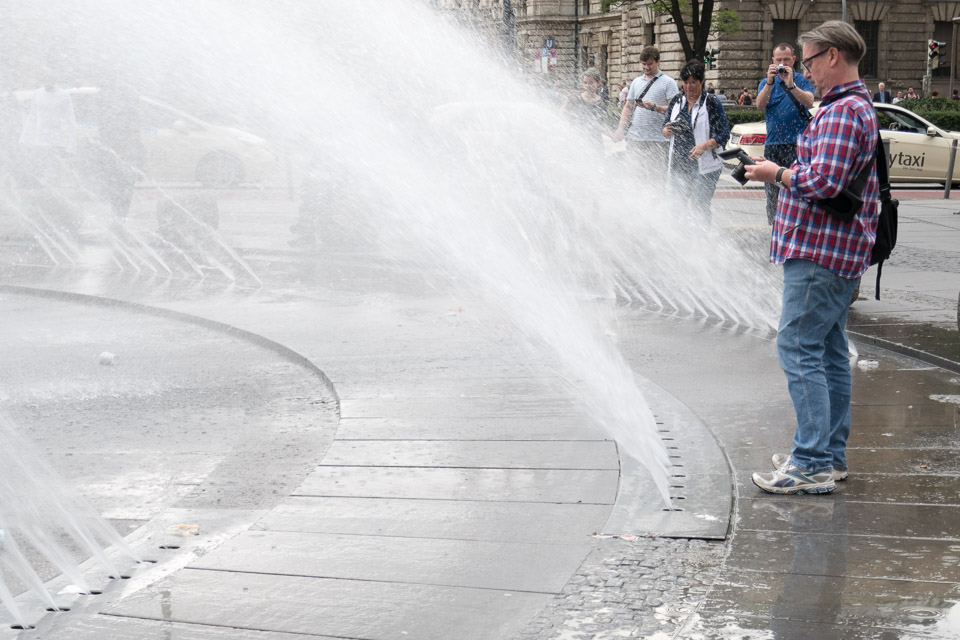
(785, 121)
(822, 257)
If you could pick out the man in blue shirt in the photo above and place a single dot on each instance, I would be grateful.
(784, 120)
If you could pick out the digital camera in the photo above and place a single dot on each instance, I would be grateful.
(782, 70)
(740, 171)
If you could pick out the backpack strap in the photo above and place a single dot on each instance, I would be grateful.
(883, 177)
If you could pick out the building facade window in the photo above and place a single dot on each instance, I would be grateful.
(943, 32)
(649, 35)
(786, 31)
(870, 30)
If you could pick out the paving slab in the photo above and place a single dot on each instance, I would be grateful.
(830, 599)
(454, 519)
(862, 556)
(123, 628)
(860, 518)
(472, 454)
(510, 566)
(489, 428)
(518, 485)
(360, 609)
(477, 407)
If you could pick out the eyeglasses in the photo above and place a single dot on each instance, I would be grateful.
(806, 63)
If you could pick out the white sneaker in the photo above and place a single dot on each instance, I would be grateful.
(789, 480)
(780, 459)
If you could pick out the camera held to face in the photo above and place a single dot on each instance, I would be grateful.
(781, 69)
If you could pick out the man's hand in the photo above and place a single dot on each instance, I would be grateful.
(762, 171)
(788, 77)
(772, 73)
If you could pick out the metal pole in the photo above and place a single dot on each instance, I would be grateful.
(953, 158)
(953, 58)
(844, 10)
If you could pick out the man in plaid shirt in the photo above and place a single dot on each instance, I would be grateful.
(823, 259)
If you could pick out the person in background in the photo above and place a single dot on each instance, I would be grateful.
(643, 114)
(934, 94)
(587, 106)
(710, 89)
(899, 97)
(624, 90)
(697, 126)
(823, 259)
(50, 132)
(745, 99)
(784, 119)
(911, 94)
(955, 95)
(882, 95)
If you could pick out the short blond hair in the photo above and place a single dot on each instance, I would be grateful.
(838, 34)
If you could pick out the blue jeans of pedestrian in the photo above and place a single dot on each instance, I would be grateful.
(813, 353)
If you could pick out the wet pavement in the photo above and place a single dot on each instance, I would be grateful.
(371, 451)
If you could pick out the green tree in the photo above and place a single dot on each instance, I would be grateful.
(695, 21)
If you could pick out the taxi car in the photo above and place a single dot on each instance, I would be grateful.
(181, 148)
(919, 151)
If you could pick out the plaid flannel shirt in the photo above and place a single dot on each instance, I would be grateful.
(839, 141)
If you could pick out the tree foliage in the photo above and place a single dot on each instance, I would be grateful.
(695, 21)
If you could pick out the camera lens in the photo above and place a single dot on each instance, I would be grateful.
(782, 70)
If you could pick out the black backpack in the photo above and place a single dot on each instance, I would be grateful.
(887, 222)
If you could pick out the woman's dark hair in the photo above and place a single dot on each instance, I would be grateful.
(694, 69)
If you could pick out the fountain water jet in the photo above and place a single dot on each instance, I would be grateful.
(39, 511)
(462, 165)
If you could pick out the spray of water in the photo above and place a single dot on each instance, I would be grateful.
(41, 515)
(449, 153)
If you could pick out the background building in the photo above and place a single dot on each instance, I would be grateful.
(559, 38)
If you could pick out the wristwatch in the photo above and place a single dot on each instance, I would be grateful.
(779, 176)
(791, 88)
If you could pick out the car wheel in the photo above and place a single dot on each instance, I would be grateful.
(219, 170)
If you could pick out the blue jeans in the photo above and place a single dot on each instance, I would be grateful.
(813, 353)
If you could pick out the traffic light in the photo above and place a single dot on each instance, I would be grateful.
(936, 51)
(710, 57)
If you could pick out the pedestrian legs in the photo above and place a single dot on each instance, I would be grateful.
(812, 348)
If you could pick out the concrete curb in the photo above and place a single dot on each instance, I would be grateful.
(902, 349)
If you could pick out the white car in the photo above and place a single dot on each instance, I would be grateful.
(181, 147)
(919, 150)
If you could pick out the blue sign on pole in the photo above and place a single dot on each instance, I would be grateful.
(548, 43)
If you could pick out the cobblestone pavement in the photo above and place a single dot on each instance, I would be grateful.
(641, 588)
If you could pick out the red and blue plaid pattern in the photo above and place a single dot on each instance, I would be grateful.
(839, 141)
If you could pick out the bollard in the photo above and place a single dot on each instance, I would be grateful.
(953, 157)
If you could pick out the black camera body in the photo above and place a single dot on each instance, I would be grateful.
(739, 172)
(680, 126)
(782, 70)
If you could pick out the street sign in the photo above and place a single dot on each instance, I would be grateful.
(548, 43)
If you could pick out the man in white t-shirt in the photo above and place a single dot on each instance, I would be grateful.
(644, 112)
(50, 131)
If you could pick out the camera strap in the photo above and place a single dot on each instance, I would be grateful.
(804, 112)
